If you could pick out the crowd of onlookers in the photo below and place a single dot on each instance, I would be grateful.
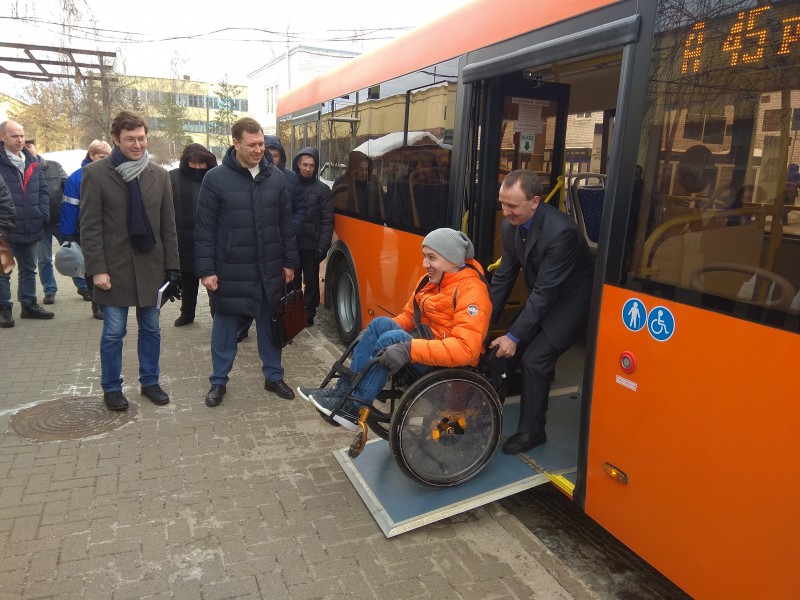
(248, 232)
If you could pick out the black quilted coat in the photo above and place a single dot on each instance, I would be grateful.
(244, 235)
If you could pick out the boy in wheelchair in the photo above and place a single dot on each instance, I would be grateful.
(443, 324)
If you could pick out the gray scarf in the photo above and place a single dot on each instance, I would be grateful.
(17, 161)
(140, 232)
(131, 169)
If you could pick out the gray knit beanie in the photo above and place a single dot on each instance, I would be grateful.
(450, 244)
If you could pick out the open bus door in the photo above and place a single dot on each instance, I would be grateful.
(522, 125)
(516, 120)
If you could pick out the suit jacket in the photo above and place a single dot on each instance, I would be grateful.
(558, 269)
(135, 277)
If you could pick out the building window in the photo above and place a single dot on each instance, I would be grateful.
(272, 99)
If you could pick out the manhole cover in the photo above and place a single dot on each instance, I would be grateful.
(69, 419)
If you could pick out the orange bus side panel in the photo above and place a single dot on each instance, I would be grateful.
(478, 24)
(388, 265)
(710, 443)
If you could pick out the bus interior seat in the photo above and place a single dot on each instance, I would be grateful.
(687, 245)
(586, 195)
(398, 199)
(428, 189)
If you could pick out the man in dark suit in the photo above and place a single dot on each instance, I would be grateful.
(558, 268)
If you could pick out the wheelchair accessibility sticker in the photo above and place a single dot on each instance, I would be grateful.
(633, 314)
(661, 323)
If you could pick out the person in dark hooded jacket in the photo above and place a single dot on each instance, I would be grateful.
(316, 231)
(274, 148)
(195, 162)
(245, 254)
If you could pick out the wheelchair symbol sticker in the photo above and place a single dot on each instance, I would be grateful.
(633, 314)
(660, 323)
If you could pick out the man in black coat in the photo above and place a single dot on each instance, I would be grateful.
(558, 268)
(275, 151)
(245, 253)
(22, 173)
(316, 231)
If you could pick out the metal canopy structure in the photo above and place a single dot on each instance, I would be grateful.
(45, 63)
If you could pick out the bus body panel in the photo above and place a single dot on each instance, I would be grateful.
(477, 24)
(376, 249)
(709, 443)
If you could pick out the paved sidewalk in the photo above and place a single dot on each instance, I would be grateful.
(240, 501)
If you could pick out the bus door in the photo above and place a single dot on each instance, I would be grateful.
(523, 127)
(557, 120)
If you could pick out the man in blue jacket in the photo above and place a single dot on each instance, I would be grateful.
(21, 172)
(245, 254)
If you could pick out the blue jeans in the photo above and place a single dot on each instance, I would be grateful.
(223, 346)
(115, 319)
(25, 254)
(381, 333)
(44, 257)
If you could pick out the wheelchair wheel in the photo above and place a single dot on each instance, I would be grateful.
(446, 427)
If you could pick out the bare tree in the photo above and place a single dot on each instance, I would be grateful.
(226, 114)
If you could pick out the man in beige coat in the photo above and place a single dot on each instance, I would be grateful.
(130, 247)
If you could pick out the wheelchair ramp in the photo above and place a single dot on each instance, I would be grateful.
(398, 504)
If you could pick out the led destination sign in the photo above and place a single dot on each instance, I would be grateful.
(756, 34)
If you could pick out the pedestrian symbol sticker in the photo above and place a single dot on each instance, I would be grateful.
(660, 323)
(633, 314)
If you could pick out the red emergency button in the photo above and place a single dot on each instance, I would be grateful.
(627, 361)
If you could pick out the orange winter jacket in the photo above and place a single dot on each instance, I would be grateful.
(458, 311)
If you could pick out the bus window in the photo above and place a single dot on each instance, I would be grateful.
(718, 212)
(391, 144)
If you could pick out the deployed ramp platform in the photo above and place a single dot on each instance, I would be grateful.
(398, 504)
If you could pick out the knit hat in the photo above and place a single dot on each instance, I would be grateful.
(450, 244)
(69, 260)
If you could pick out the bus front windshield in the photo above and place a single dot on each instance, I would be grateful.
(717, 182)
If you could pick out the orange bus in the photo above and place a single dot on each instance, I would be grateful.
(669, 130)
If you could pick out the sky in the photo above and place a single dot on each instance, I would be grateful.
(209, 41)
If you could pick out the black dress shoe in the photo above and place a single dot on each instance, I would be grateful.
(155, 394)
(522, 442)
(115, 401)
(86, 295)
(280, 388)
(215, 394)
(184, 319)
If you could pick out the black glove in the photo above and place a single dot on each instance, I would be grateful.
(320, 255)
(173, 291)
(395, 356)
